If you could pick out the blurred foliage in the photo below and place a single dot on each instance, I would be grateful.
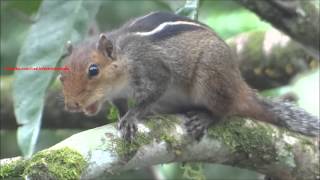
(42, 48)
(16, 18)
(24, 7)
(228, 18)
(190, 9)
(238, 21)
(113, 14)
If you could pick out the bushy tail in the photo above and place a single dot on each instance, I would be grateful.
(286, 114)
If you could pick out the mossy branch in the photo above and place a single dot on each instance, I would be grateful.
(270, 59)
(238, 142)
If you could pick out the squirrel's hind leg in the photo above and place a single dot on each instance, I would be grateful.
(198, 122)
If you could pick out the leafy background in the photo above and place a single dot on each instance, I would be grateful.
(33, 33)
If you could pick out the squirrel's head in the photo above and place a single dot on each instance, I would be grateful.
(93, 76)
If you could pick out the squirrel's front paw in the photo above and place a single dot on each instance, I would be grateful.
(128, 128)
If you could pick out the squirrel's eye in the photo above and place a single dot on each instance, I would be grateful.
(93, 70)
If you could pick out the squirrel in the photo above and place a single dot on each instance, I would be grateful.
(169, 64)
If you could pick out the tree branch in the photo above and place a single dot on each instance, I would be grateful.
(237, 142)
(297, 18)
(269, 59)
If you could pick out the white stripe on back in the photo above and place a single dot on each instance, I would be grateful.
(163, 25)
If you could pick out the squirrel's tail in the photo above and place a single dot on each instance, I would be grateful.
(289, 115)
(280, 112)
(286, 114)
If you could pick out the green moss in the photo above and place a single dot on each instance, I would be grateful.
(63, 163)
(56, 164)
(166, 122)
(126, 149)
(250, 138)
(14, 169)
(161, 126)
(168, 138)
(286, 156)
(306, 142)
(113, 114)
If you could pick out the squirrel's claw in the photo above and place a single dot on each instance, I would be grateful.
(128, 128)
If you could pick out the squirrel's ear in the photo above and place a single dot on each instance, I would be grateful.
(69, 47)
(105, 46)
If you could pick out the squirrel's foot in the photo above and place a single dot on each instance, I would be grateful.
(197, 123)
(128, 127)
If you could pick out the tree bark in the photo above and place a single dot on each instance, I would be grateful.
(297, 18)
(238, 142)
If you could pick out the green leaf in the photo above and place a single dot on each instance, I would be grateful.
(190, 9)
(57, 22)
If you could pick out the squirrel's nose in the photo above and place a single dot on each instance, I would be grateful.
(73, 107)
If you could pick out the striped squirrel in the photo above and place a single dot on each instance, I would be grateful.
(168, 64)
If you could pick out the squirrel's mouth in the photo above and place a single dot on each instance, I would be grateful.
(92, 109)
